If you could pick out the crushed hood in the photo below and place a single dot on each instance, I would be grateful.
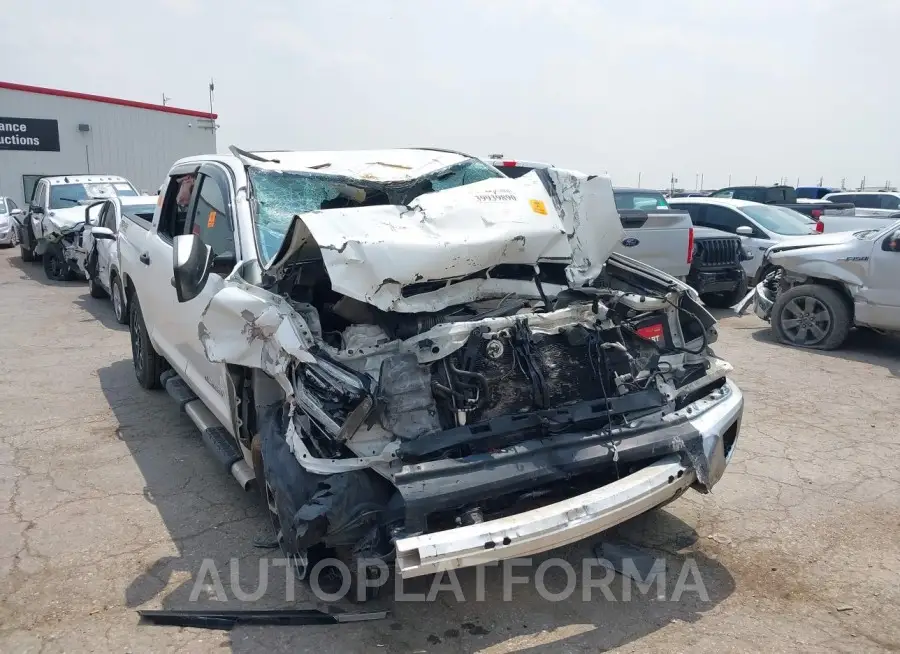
(813, 240)
(64, 219)
(376, 254)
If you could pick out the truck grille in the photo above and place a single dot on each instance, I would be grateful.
(718, 251)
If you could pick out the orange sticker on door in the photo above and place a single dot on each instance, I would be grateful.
(211, 220)
(538, 206)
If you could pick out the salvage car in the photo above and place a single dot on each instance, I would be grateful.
(10, 214)
(819, 287)
(54, 223)
(97, 256)
(419, 360)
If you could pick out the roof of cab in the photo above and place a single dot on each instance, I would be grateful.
(84, 179)
(376, 165)
(724, 202)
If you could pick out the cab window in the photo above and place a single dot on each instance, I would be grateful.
(211, 217)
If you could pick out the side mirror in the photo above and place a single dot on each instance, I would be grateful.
(15, 213)
(102, 233)
(892, 242)
(191, 261)
(744, 230)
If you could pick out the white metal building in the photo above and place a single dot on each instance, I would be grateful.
(52, 132)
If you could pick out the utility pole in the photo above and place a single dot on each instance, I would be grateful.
(696, 181)
(639, 179)
(672, 182)
(798, 183)
(701, 181)
(843, 183)
(729, 179)
(862, 184)
(165, 99)
(755, 178)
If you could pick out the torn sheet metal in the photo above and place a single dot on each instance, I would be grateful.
(375, 254)
(248, 326)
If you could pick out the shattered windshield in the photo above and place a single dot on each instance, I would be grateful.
(280, 195)
(63, 196)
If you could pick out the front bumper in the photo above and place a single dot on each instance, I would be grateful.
(695, 447)
(716, 281)
(6, 236)
(762, 303)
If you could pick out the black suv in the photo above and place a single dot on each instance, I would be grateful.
(716, 270)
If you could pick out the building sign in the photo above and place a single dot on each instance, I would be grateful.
(37, 134)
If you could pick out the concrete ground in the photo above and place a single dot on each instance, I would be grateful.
(109, 503)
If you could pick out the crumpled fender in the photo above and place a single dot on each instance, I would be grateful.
(248, 326)
(799, 262)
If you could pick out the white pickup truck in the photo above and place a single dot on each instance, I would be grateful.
(419, 361)
(873, 210)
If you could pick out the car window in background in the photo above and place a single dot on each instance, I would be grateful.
(640, 200)
(890, 202)
(2, 208)
(778, 219)
(63, 196)
(12, 205)
(514, 171)
(751, 194)
(722, 218)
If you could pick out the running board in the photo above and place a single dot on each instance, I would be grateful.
(219, 441)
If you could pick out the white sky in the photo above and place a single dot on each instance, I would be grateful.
(751, 88)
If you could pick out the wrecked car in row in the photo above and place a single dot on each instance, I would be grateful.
(817, 288)
(53, 229)
(419, 360)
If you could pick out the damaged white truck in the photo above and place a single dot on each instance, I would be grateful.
(54, 227)
(419, 360)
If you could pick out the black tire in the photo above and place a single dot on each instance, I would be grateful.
(811, 316)
(95, 289)
(148, 365)
(55, 266)
(120, 305)
(727, 299)
(27, 254)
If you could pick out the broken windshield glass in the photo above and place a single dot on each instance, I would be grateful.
(281, 195)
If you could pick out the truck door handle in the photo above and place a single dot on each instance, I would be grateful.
(144, 258)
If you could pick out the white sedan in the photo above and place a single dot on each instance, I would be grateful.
(760, 225)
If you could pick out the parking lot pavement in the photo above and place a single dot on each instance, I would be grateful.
(110, 503)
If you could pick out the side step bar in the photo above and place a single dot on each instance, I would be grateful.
(217, 439)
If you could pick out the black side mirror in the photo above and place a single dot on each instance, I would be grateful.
(191, 261)
(892, 242)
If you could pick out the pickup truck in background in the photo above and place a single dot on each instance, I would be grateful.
(814, 192)
(654, 234)
(874, 210)
(56, 218)
(399, 347)
(785, 196)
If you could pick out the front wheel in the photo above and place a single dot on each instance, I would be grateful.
(147, 363)
(55, 266)
(95, 289)
(811, 316)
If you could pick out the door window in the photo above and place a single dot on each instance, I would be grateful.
(211, 218)
(727, 220)
(890, 202)
(108, 219)
(12, 205)
(173, 215)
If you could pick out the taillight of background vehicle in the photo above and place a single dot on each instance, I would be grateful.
(509, 164)
(816, 213)
(690, 256)
(820, 227)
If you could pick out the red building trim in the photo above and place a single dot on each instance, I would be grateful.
(107, 100)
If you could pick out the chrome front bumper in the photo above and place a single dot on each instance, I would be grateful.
(717, 419)
(759, 298)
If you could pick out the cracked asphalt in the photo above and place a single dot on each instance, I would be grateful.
(111, 503)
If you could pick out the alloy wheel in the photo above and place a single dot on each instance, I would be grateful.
(806, 320)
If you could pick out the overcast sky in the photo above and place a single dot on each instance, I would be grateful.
(751, 88)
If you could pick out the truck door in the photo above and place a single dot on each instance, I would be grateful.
(211, 216)
(104, 247)
(880, 306)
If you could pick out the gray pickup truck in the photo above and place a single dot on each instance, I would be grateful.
(655, 234)
(821, 286)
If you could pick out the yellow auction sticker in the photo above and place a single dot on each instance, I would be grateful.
(211, 219)
(538, 206)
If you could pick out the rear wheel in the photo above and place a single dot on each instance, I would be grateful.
(812, 316)
(148, 365)
(118, 301)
